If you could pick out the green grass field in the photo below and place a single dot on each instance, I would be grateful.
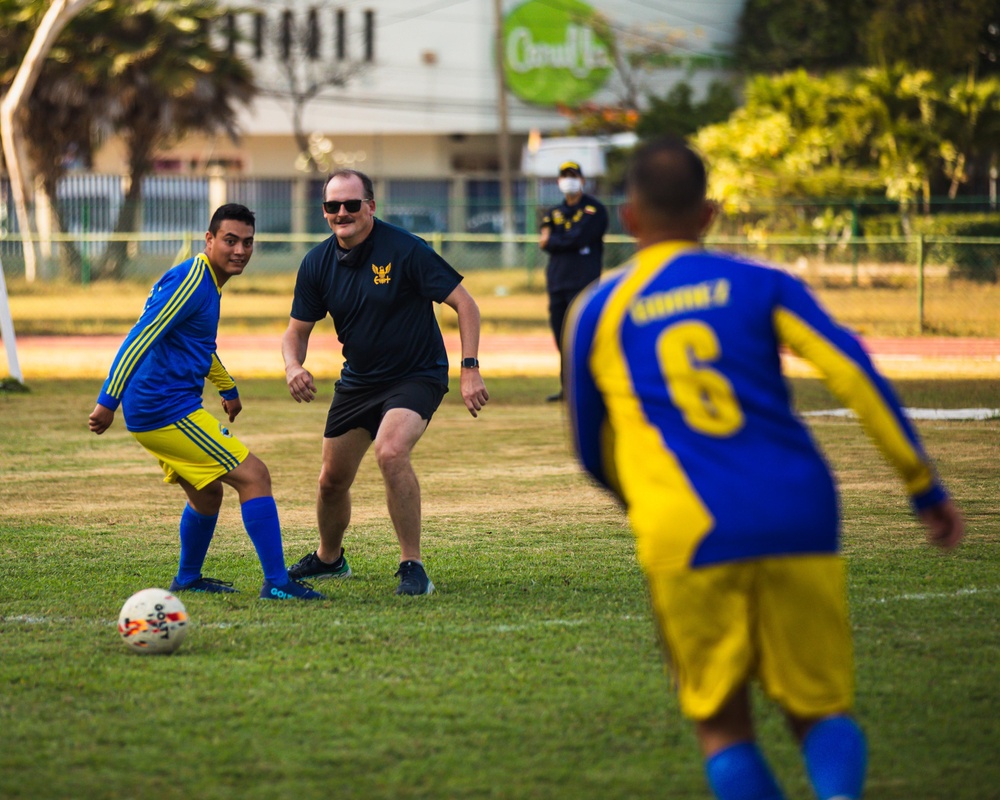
(532, 672)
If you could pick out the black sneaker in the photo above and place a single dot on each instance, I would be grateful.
(208, 585)
(311, 566)
(413, 579)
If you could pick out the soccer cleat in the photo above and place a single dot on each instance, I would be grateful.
(413, 579)
(310, 566)
(207, 585)
(293, 590)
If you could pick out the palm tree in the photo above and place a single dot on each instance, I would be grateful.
(147, 71)
(905, 140)
(167, 79)
(970, 121)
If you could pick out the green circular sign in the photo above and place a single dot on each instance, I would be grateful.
(555, 52)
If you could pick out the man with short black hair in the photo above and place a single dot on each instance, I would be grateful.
(572, 234)
(379, 283)
(679, 407)
(158, 377)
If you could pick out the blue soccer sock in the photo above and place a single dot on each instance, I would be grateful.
(260, 518)
(836, 757)
(740, 772)
(196, 535)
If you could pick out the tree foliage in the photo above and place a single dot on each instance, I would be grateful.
(943, 36)
(780, 35)
(147, 71)
(678, 113)
(851, 133)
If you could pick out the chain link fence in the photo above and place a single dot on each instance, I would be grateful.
(937, 283)
(945, 285)
(924, 285)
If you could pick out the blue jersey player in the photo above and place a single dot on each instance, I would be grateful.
(679, 407)
(158, 377)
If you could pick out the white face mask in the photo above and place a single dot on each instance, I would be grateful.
(570, 185)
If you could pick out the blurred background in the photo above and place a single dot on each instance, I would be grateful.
(851, 141)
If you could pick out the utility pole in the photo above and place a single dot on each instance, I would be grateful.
(503, 149)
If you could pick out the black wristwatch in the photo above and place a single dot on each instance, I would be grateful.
(470, 363)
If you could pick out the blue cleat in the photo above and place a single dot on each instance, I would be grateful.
(293, 590)
(207, 585)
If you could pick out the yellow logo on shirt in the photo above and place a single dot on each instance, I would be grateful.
(381, 273)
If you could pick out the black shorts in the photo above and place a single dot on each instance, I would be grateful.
(364, 407)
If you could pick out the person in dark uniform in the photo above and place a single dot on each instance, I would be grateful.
(572, 234)
(379, 283)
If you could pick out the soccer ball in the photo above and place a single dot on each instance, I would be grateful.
(153, 621)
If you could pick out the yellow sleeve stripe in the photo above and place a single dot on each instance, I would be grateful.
(667, 515)
(148, 335)
(219, 375)
(854, 388)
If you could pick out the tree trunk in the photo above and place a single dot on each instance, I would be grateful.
(115, 258)
(55, 19)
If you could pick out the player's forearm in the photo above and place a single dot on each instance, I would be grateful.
(294, 347)
(469, 327)
(849, 374)
(221, 379)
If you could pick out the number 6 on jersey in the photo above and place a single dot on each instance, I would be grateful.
(704, 395)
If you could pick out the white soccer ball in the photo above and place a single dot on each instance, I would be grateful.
(153, 621)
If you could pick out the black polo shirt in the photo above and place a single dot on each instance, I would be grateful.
(380, 295)
(576, 244)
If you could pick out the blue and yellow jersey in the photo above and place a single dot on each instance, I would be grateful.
(158, 375)
(679, 406)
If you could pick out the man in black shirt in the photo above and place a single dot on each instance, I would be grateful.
(378, 283)
(572, 234)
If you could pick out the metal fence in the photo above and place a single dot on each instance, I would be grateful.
(950, 283)
(943, 285)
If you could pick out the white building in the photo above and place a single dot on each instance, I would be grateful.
(420, 93)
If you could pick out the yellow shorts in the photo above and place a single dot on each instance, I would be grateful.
(197, 448)
(783, 621)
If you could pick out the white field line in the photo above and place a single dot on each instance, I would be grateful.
(28, 619)
(918, 597)
(921, 596)
(545, 623)
(920, 413)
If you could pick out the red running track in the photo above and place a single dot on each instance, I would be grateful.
(507, 353)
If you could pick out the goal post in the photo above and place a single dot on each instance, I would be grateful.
(7, 331)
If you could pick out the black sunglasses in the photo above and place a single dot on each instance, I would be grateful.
(350, 206)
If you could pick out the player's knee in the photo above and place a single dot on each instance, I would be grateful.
(254, 474)
(391, 456)
(333, 483)
(207, 500)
